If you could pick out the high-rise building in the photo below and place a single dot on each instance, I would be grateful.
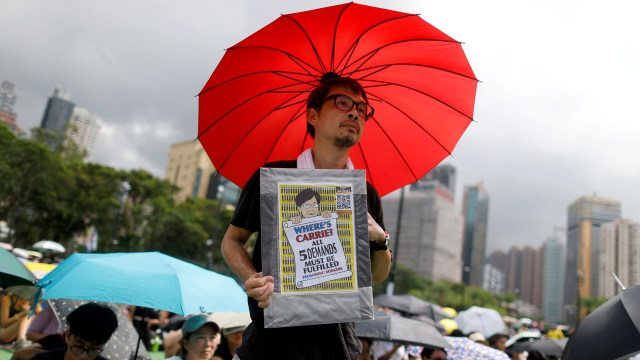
(476, 216)
(83, 130)
(58, 111)
(528, 274)
(190, 169)
(445, 175)
(499, 260)
(431, 232)
(514, 283)
(585, 217)
(619, 255)
(493, 280)
(553, 270)
(7, 101)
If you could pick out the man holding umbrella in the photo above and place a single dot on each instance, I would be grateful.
(337, 111)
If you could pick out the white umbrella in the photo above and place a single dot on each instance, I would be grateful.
(48, 245)
(486, 321)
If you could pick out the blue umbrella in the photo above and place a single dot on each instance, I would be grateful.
(149, 279)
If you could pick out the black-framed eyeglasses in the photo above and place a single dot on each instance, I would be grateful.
(345, 103)
(78, 350)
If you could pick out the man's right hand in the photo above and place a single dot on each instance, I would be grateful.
(260, 288)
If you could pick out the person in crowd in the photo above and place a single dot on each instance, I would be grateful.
(146, 321)
(367, 349)
(14, 320)
(387, 350)
(43, 324)
(479, 338)
(200, 337)
(337, 111)
(231, 339)
(433, 354)
(498, 341)
(90, 327)
(49, 342)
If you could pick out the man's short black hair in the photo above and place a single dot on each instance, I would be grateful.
(427, 352)
(93, 323)
(306, 195)
(315, 99)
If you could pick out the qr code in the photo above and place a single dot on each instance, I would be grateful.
(343, 202)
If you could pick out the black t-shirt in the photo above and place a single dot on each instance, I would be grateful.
(57, 355)
(326, 341)
(52, 342)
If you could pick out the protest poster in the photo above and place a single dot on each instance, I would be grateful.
(315, 245)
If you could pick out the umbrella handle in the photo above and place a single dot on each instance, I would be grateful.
(36, 300)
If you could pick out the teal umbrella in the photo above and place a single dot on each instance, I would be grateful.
(148, 279)
(13, 272)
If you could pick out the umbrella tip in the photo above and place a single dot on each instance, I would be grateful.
(329, 75)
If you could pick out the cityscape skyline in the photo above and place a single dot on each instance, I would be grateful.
(539, 141)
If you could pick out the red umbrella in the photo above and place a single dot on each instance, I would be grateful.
(252, 109)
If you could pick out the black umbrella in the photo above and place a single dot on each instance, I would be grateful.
(395, 328)
(411, 305)
(547, 347)
(609, 332)
(121, 345)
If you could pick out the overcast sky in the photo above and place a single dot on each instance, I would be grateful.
(555, 113)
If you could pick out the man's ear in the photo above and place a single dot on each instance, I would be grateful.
(312, 116)
(66, 336)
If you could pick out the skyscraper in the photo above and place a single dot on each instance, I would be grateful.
(58, 111)
(191, 170)
(585, 217)
(445, 175)
(619, 254)
(476, 216)
(83, 130)
(430, 239)
(7, 101)
(553, 270)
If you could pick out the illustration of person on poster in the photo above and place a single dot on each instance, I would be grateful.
(316, 235)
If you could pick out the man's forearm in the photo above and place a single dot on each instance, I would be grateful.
(235, 254)
(380, 265)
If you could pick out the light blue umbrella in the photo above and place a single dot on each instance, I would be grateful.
(148, 279)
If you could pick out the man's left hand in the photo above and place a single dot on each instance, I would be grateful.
(376, 233)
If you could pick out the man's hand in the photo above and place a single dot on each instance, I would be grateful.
(260, 288)
(296, 219)
(326, 213)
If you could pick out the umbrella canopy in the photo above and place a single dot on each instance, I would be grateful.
(417, 78)
(13, 272)
(395, 328)
(610, 331)
(485, 321)
(123, 341)
(411, 305)
(40, 270)
(449, 325)
(148, 279)
(48, 245)
(465, 349)
(547, 347)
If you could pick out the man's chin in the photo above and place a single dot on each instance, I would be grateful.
(346, 141)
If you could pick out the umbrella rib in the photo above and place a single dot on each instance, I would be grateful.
(386, 66)
(315, 51)
(357, 40)
(335, 34)
(242, 103)
(276, 72)
(250, 130)
(395, 146)
(369, 56)
(381, 83)
(294, 118)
